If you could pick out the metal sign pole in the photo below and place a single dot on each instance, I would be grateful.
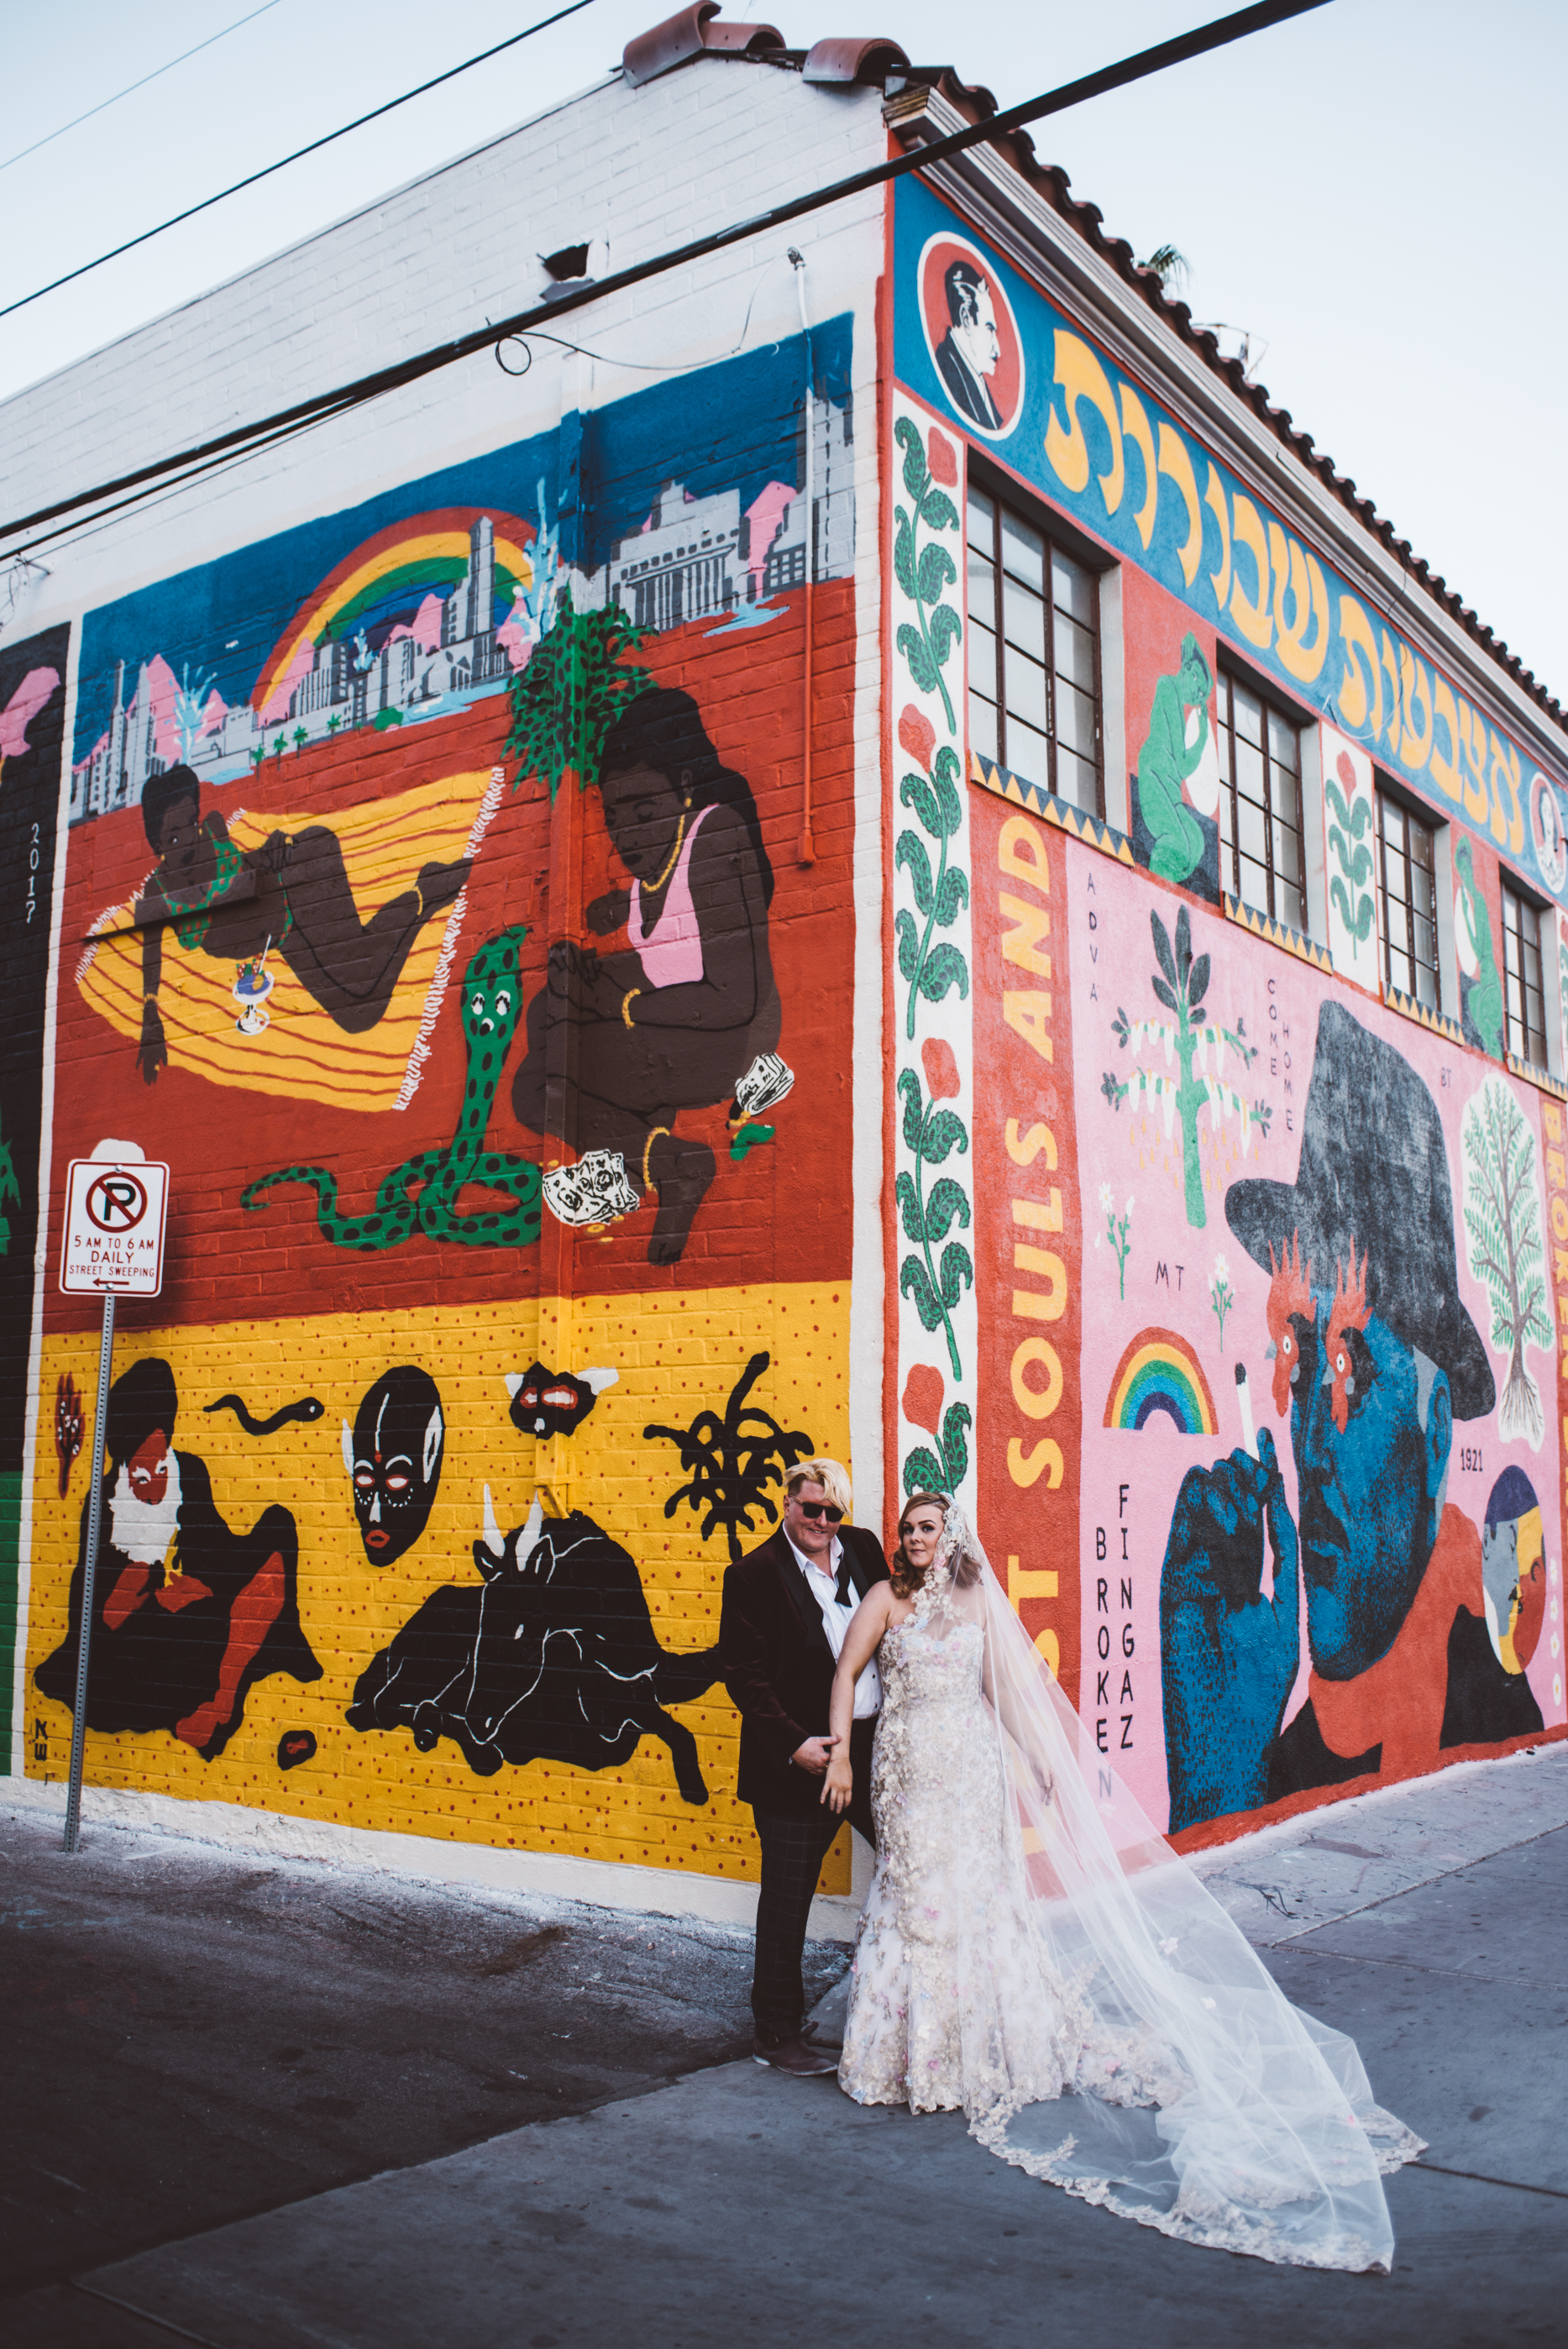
(90, 1567)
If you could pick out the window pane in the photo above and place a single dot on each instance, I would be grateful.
(1286, 787)
(1252, 834)
(1075, 650)
(981, 522)
(1025, 689)
(1284, 742)
(1247, 714)
(1072, 589)
(1076, 780)
(1028, 753)
(1024, 618)
(1290, 907)
(982, 587)
(982, 726)
(1075, 721)
(1023, 552)
(1254, 888)
(1287, 853)
(1249, 771)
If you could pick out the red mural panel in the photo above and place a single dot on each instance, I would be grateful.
(1028, 1254)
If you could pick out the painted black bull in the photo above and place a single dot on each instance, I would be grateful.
(553, 1657)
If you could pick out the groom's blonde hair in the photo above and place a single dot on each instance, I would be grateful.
(831, 1474)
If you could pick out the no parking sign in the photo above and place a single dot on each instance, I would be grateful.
(113, 1238)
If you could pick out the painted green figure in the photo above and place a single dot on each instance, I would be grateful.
(492, 994)
(1166, 762)
(1484, 1003)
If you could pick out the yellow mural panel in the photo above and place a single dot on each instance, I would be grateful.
(675, 1356)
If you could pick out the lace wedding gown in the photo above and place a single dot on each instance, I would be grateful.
(1033, 1954)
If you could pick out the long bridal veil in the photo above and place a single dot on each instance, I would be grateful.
(1201, 2101)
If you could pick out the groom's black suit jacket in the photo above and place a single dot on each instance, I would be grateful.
(778, 1666)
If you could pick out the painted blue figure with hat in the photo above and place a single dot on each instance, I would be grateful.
(1375, 1356)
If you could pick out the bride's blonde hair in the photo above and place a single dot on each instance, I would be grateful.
(907, 1579)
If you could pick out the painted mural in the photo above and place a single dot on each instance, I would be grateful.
(31, 706)
(985, 348)
(432, 903)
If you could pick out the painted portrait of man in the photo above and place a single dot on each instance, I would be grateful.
(1374, 1358)
(968, 353)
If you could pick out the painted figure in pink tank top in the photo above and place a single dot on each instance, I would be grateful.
(687, 1016)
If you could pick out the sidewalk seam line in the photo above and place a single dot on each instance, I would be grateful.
(181, 2332)
(1383, 1900)
(1480, 2178)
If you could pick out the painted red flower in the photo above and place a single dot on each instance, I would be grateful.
(942, 457)
(923, 1398)
(918, 735)
(942, 1068)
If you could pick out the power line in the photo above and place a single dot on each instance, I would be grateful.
(266, 172)
(158, 71)
(1202, 42)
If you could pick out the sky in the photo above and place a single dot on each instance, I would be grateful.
(1372, 193)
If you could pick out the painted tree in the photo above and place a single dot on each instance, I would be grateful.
(1180, 983)
(1503, 1240)
(571, 693)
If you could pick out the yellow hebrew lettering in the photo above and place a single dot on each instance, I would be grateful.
(1416, 740)
(1360, 696)
(1251, 617)
(1472, 741)
(1391, 671)
(1022, 945)
(1020, 850)
(1309, 599)
(1443, 766)
(1506, 823)
(1030, 1016)
(1082, 377)
(1134, 424)
(1025, 1467)
(1176, 466)
(1214, 497)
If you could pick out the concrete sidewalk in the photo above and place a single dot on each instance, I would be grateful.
(1431, 1922)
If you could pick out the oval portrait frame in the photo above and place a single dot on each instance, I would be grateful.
(937, 256)
(1551, 854)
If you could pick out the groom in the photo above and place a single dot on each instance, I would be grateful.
(786, 1609)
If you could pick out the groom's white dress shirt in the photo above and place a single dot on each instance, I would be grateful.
(837, 1613)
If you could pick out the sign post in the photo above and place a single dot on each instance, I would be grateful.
(116, 1207)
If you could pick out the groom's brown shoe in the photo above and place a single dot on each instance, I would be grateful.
(791, 2056)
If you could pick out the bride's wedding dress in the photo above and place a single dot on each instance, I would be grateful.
(1034, 1954)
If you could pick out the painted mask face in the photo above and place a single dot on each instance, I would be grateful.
(553, 1402)
(393, 1456)
(1369, 1481)
(147, 1470)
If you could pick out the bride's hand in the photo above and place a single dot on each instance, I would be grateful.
(839, 1784)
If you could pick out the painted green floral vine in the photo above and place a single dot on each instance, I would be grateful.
(924, 573)
(934, 1281)
(571, 693)
(931, 970)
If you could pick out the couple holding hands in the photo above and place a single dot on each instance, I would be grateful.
(1031, 1952)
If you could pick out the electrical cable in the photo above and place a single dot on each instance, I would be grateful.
(158, 71)
(267, 170)
(1201, 42)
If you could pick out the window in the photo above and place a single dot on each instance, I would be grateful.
(1406, 851)
(1034, 654)
(1260, 859)
(1523, 1001)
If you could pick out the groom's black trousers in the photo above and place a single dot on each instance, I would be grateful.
(794, 1845)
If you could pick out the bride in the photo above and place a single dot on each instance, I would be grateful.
(1033, 1953)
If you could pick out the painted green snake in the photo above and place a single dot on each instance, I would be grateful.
(492, 1005)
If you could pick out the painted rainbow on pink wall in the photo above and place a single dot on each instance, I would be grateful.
(1160, 1372)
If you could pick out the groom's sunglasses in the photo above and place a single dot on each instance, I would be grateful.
(815, 1510)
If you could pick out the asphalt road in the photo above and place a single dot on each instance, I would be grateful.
(287, 2107)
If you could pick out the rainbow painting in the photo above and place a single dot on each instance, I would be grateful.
(1159, 1371)
(427, 550)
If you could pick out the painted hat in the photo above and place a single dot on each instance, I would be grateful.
(1373, 1171)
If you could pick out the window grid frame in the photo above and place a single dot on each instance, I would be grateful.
(1410, 821)
(1514, 974)
(1054, 545)
(1225, 684)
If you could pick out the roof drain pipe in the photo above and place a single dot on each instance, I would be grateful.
(807, 849)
